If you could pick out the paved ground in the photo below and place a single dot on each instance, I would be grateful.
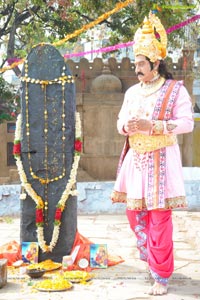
(128, 280)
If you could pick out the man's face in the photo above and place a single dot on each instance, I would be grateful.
(143, 69)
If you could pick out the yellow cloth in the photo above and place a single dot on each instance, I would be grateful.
(147, 143)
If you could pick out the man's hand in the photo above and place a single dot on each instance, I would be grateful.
(144, 125)
(131, 126)
(136, 124)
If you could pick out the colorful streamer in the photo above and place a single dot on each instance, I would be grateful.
(128, 44)
(105, 49)
(182, 24)
(101, 50)
(103, 17)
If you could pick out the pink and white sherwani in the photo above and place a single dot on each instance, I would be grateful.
(132, 183)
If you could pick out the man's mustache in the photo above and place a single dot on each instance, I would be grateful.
(139, 73)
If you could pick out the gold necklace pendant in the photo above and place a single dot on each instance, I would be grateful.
(147, 89)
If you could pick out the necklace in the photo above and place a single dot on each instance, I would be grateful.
(69, 189)
(147, 89)
(44, 83)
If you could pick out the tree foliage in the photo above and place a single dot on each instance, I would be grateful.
(25, 23)
(9, 101)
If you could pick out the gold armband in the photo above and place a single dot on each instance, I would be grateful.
(157, 127)
(170, 127)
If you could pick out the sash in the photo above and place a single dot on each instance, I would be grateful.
(157, 158)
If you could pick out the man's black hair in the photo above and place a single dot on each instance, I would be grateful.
(162, 69)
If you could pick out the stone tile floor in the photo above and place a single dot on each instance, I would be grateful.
(125, 281)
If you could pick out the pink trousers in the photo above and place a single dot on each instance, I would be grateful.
(153, 230)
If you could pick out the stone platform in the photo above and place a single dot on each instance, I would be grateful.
(125, 281)
(94, 197)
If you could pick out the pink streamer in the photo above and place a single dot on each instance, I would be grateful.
(128, 44)
(182, 24)
(101, 50)
(13, 60)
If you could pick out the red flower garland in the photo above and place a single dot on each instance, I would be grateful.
(78, 145)
(39, 217)
(58, 214)
(17, 148)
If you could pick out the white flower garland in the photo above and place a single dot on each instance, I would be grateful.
(37, 199)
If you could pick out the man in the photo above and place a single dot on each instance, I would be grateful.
(150, 176)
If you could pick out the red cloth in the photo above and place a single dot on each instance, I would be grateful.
(84, 252)
(11, 251)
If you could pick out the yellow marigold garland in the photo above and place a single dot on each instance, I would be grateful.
(103, 17)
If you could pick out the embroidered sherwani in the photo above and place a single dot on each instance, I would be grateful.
(150, 178)
(137, 180)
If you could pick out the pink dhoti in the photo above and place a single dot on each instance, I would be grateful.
(153, 230)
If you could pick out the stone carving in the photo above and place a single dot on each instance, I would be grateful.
(48, 136)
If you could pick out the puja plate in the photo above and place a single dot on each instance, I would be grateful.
(55, 266)
(79, 280)
(77, 276)
(51, 290)
(43, 289)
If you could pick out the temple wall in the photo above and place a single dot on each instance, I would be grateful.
(100, 88)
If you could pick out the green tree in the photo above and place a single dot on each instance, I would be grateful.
(25, 23)
(9, 101)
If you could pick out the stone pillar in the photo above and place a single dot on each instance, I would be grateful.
(101, 139)
(3, 272)
(48, 134)
(187, 66)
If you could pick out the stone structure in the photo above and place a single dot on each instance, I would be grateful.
(8, 173)
(94, 196)
(3, 272)
(100, 89)
(48, 135)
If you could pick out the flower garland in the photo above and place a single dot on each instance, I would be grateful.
(101, 18)
(130, 43)
(105, 49)
(69, 189)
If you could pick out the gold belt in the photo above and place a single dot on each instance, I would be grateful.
(147, 143)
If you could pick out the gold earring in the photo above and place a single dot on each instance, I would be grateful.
(155, 73)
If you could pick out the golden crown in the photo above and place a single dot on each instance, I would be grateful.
(146, 42)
